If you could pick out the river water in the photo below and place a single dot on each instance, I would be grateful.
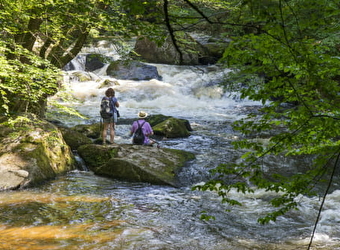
(83, 211)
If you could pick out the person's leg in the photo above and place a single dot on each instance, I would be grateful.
(113, 127)
(104, 132)
(112, 132)
(150, 142)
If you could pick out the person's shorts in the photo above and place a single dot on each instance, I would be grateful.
(112, 119)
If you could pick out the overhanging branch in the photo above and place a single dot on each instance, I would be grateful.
(323, 200)
(171, 31)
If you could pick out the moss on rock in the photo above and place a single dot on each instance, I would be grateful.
(136, 163)
(34, 146)
(96, 155)
(172, 128)
(74, 138)
(90, 130)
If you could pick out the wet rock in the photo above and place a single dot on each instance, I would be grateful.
(94, 62)
(168, 126)
(108, 83)
(81, 76)
(132, 162)
(198, 50)
(73, 138)
(167, 53)
(90, 130)
(163, 126)
(172, 128)
(31, 152)
(132, 70)
(136, 163)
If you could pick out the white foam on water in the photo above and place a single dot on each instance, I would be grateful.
(185, 91)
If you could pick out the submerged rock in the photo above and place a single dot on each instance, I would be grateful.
(136, 163)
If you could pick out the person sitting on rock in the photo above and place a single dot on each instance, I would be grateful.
(146, 129)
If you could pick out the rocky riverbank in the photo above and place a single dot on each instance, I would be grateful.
(33, 150)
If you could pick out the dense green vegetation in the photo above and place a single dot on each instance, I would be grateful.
(285, 53)
(40, 37)
(288, 58)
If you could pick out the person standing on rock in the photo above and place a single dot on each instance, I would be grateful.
(109, 105)
(146, 129)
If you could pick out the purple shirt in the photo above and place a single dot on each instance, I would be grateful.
(146, 129)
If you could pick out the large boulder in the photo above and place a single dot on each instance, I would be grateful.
(90, 130)
(197, 50)
(132, 70)
(136, 163)
(74, 139)
(87, 62)
(163, 126)
(31, 152)
(172, 128)
(82, 134)
(168, 126)
(167, 52)
(94, 62)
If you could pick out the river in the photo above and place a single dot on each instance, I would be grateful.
(83, 211)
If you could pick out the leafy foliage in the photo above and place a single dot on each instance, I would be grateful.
(23, 86)
(39, 37)
(286, 55)
(56, 31)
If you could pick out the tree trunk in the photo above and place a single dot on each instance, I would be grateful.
(62, 53)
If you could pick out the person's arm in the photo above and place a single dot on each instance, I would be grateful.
(151, 133)
(149, 130)
(132, 130)
(115, 102)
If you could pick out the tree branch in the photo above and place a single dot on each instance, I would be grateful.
(171, 31)
(198, 11)
(323, 200)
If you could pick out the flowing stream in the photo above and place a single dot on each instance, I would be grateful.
(83, 211)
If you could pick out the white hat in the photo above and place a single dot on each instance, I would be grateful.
(142, 114)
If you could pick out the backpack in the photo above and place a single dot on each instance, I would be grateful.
(138, 137)
(105, 108)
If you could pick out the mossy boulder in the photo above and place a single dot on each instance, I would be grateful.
(167, 53)
(73, 138)
(81, 76)
(97, 155)
(156, 119)
(89, 130)
(164, 126)
(169, 126)
(108, 83)
(172, 128)
(94, 62)
(136, 163)
(32, 151)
